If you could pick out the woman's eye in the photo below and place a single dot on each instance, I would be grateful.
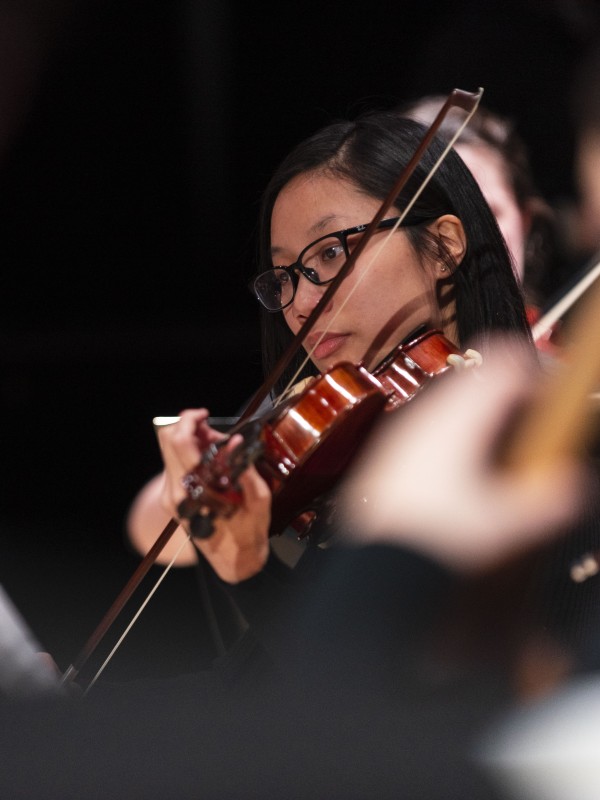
(332, 252)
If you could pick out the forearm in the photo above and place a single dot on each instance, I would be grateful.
(147, 518)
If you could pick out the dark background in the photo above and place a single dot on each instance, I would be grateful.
(135, 139)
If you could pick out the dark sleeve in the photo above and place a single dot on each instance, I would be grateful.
(366, 606)
(248, 604)
(257, 596)
(243, 619)
(343, 604)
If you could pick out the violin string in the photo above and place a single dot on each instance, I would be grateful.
(137, 615)
(375, 256)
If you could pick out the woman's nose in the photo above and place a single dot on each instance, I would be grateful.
(306, 298)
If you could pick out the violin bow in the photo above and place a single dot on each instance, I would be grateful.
(119, 603)
(559, 422)
(560, 419)
(469, 102)
(567, 299)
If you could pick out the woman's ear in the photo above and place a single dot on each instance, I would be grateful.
(449, 231)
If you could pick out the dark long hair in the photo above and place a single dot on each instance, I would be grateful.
(370, 153)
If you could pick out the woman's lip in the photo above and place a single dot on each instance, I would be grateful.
(330, 344)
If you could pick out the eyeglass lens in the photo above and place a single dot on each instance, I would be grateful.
(321, 262)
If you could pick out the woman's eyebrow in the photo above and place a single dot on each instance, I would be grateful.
(320, 226)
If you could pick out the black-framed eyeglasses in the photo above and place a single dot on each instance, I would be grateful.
(319, 263)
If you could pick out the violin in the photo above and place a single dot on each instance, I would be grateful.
(304, 445)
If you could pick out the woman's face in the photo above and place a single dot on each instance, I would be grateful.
(397, 295)
(487, 168)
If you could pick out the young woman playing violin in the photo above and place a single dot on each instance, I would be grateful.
(446, 267)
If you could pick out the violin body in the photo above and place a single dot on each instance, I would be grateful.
(310, 444)
(304, 446)
(410, 366)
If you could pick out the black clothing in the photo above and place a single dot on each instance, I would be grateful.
(535, 597)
